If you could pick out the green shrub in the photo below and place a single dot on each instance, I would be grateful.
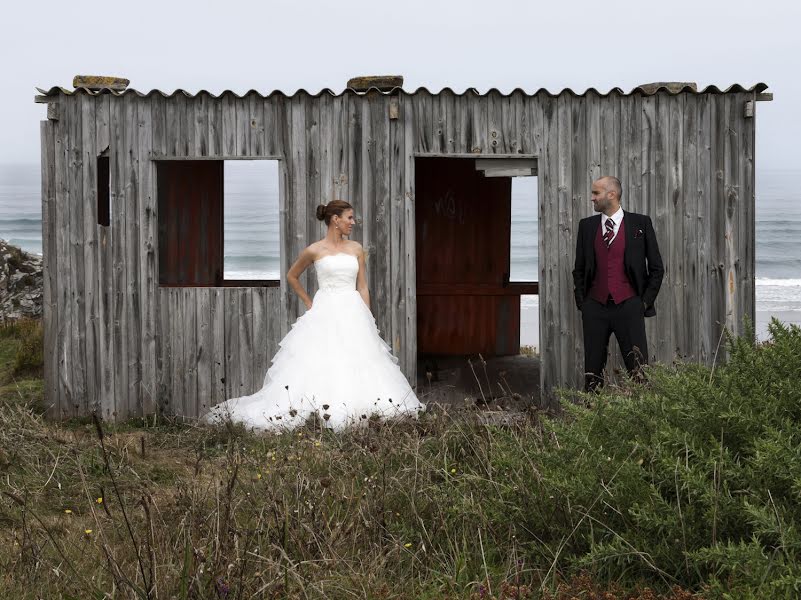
(29, 358)
(693, 479)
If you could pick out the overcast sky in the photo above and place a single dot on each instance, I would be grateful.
(286, 45)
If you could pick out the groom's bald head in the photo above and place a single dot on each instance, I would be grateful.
(612, 185)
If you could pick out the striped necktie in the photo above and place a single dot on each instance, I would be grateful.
(609, 233)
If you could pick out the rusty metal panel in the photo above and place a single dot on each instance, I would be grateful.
(190, 223)
(463, 229)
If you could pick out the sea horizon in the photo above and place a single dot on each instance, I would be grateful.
(252, 247)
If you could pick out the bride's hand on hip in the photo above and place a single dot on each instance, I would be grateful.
(308, 305)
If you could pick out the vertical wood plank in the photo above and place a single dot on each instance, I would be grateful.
(339, 148)
(190, 361)
(326, 152)
(703, 290)
(178, 364)
(228, 102)
(50, 316)
(76, 254)
(516, 123)
(285, 207)
(243, 125)
(257, 137)
(132, 257)
(423, 115)
(663, 342)
(90, 247)
(407, 109)
(260, 342)
(690, 281)
(495, 113)
(549, 252)
(731, 214)
(105, 308)
(533, 111)
(204, 351)
(165, 355)
(364, 210)
(245, 364)
(717, 208)
(439, 123)
(214, 135)
(648, 199)
(299, 217)
(232, 332)
(380, 219)
(202, 108)
(312, 229)
(187, 107)
(174, 124)
(478, 106)
(450, 125)
(564, 241)
(676, 250)
(273, 125)
(747, 235)
(61, 263)
(117, 173)
(463, 121)
(147, 275)
(217, 345)
(397, 296)
(580, 161)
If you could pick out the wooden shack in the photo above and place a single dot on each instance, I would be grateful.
(138, 317)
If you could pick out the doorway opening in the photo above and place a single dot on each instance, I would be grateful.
(476, 262)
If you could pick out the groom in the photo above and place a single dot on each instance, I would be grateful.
(617, 276)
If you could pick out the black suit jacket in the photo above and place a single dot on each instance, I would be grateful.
(642, 260)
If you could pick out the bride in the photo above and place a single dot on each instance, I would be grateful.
(332, 363)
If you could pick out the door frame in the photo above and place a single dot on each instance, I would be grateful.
(411, 286)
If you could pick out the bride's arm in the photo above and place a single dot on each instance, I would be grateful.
(361, 279)
(301, 264)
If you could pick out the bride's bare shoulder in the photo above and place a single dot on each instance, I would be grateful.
(354, 247)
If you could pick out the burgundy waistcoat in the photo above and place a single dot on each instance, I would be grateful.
(610, 273)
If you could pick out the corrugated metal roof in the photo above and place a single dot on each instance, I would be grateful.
(640, 90)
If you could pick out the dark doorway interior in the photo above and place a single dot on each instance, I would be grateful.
(465, 303)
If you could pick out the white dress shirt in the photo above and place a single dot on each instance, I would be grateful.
(617, 218)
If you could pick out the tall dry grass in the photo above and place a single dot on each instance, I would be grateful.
(690, 483)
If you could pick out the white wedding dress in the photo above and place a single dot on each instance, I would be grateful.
(332, 363)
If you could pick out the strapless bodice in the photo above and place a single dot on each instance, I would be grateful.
(337, 272)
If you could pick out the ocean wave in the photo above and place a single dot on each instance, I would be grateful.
(767, 281)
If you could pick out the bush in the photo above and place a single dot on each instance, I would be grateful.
(29, 359)
(693, 479)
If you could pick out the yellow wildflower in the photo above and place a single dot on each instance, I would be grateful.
(407, 545)
(67, 511)
(99, 500)
(87, 531)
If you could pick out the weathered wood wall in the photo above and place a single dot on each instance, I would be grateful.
(119, 343)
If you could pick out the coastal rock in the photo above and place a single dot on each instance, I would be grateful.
(21, 284)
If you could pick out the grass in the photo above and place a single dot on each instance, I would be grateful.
(684, 488)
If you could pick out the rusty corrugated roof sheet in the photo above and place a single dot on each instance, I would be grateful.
(647, 90)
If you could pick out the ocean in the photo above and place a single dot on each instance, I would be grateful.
(252, 246)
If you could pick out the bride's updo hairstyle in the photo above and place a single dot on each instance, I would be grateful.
(335, 207)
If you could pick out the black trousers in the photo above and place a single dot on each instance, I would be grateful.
(627, 321)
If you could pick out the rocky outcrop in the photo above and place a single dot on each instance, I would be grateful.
(21, 283)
